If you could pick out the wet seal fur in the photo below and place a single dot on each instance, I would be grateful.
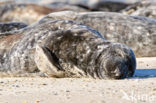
(136, 32)
(64, 49)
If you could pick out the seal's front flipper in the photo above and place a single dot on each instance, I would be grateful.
(47, 62)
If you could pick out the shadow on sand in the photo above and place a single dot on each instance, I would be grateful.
(144, 73)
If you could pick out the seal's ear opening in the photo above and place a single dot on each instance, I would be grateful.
(47, 62)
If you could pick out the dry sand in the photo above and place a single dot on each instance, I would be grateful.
(139, 89)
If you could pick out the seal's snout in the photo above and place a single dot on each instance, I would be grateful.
(116, 68)
(117, 72)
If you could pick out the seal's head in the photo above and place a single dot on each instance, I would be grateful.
(117, 62)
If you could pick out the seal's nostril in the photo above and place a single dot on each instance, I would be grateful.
(117, 74)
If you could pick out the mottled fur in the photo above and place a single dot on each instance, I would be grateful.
(26, 13)
(145, 8)
(65, 49)
(139, 33)
(11, 26)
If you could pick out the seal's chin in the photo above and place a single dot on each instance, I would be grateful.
(116, 68)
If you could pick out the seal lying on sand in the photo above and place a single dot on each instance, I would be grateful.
(26, 13)
(136, 32)
(64, 49)
(95, 5)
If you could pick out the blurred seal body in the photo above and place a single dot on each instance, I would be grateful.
(136, 32)
(11, 26)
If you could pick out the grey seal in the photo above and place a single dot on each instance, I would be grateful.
(64, 49)
(136, 32)
(22, 12)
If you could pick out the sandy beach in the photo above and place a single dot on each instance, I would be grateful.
(31, 41)
(139, 89)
